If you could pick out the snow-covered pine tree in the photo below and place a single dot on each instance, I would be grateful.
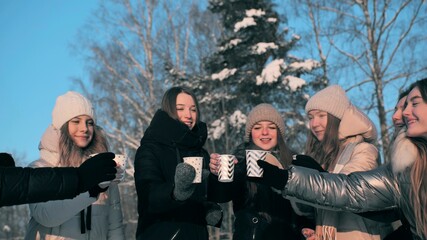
(252, 65)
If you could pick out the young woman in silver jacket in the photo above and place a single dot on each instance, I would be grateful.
(401, 185)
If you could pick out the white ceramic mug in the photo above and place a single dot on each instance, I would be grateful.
(252, 168)
(121, 162)
(197, 163)
(226, 168)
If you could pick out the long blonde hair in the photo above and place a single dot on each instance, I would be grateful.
(71, 155)
(418, 193)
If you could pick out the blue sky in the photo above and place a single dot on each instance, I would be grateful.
(36, 66)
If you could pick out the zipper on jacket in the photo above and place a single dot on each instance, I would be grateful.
(176, 234)
(255, 221)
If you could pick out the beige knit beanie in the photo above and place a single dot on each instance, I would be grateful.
(264, 112)
(331, 100)
(70, 105)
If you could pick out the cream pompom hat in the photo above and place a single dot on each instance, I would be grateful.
(70, 105)
(264, 112)
(331, 99)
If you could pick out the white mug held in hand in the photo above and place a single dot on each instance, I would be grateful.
(252, 168)
(121, 161)
(197, 163)
(226, 169)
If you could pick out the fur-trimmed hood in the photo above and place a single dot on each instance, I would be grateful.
(403, 152)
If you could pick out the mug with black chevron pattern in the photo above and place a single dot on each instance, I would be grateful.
(252, 168)
(226, 168)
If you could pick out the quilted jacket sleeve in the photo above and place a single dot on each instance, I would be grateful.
(357, 192)
(29, 185)
(154, 192)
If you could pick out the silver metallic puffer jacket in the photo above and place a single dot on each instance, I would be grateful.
(386, 187)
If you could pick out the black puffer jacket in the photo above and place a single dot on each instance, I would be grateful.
(165, 143)
(25, 185)
(260, 213)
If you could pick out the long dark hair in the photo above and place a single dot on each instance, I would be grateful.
(285, 153)
(325, 151)
(169, 101)
(418, 173)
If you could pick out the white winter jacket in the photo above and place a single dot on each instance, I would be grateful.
(61, 219)
(357, 133)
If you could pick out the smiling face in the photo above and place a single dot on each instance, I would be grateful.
(318, 121)
(80, 129)
(186, 109)
(264, 135)
(398, 114)
(415, 114)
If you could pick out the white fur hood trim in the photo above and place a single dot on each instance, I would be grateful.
(403, 152)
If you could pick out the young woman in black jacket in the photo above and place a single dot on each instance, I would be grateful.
(260, 213)
(170, 205)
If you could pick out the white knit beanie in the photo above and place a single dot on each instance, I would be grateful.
(331, 100)
(264, 112)
(70, 105)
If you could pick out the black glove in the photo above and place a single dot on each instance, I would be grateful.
(184, 176)
(6, 160)
(272, 176)
(95, 170)
(96, 190)
(307, 162)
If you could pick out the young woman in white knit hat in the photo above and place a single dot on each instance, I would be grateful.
(259, 212)
(341, 139)
(71, 138)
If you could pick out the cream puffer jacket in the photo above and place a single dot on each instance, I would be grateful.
(386, 187)
(60, 220)
(357, 134)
